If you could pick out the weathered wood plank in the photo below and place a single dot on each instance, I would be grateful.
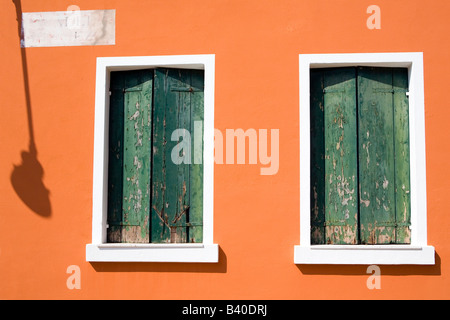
(177, 174)
(129, 161)
(160, 230)
(195, 213)
(137, 164)
(341, 171)
(402, 156)
(115, 158)
(376, 156)
(171, 180)
(317, 165)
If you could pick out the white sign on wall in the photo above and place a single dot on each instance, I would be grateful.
(73, 27)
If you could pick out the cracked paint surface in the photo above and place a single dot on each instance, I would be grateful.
(360, 156)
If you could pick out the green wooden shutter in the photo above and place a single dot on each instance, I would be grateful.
(359, 156)
(341, 175)
(151, 198)
(129, 162)
(334, 174)
(383, 155)
(177, 188)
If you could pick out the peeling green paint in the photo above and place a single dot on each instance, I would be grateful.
(151, 198)
(359, 156)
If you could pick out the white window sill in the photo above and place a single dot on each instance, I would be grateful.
(364, 254)
(131, 252)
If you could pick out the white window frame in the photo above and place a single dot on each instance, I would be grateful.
(416, 253)
(99, 249)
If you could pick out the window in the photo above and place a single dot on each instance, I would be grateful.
(153, 160)
(362, 153)
(359, 156)
(154, 194)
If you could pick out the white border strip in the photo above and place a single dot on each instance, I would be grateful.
(152, 253)
(97, 251)
(305, 253)
(365, 255)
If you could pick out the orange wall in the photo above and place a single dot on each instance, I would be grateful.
(256, 218)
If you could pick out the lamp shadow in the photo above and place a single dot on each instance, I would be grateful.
(220, 267)
(392, 270)
(26, 178)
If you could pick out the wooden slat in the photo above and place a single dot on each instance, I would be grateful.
(137, 164)
(115, 158)
(376, 156)
(160, 231)
(177, 175)
(195, 213)
(402, 156)
(317, 165)
(341, 172)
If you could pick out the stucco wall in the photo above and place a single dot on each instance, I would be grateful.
(256, 217)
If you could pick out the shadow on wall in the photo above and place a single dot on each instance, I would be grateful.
(26, 178)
